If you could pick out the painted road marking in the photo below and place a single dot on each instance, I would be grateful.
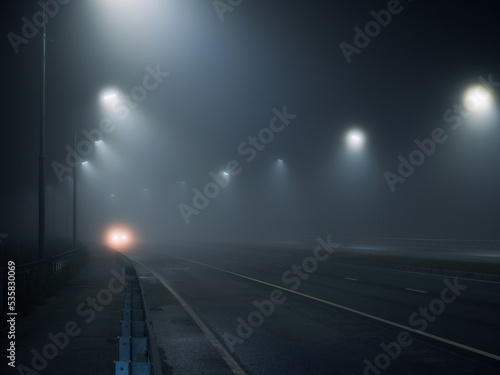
(435, 275)
(210, 336)
(394, 324)
(350, 278)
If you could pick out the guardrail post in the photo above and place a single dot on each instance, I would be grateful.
(134, 346)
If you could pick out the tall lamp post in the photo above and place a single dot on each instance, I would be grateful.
(74, 201)
(41, 159)
(355, 140)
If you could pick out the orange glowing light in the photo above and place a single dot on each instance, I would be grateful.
(119, 237)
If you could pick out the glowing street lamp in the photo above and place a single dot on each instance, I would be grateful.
(109, 97)
(477, 99)
(355, 139)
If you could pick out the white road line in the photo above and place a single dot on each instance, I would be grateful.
(422, 333)
(435, 275)
(210, 336)
(416, 290)
(350, 278)
(396, 270)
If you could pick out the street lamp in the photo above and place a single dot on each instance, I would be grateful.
(360, 157)
(109, 97)
(477, 99)
(355, 139)
(41, 158)
(75, 206)
(279, 169)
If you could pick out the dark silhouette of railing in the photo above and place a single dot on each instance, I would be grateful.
(31, 279)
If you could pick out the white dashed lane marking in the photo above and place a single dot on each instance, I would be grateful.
(345, 308)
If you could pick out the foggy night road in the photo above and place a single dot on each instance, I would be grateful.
(306, 333)
(211, 142)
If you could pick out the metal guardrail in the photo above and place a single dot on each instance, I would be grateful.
(134, 353)
(423, 242)
(306, 240)
(31, 278)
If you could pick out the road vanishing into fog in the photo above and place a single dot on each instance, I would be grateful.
(278, 311)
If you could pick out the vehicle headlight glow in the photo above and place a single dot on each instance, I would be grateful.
(119, 237)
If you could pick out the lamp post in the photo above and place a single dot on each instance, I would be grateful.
(74, 202)
(41, 159)
(355, 142)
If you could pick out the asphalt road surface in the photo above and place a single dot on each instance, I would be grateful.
(222, 309)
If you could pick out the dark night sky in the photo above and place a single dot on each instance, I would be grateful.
(225, 79)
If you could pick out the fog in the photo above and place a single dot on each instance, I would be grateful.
(231, 125)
